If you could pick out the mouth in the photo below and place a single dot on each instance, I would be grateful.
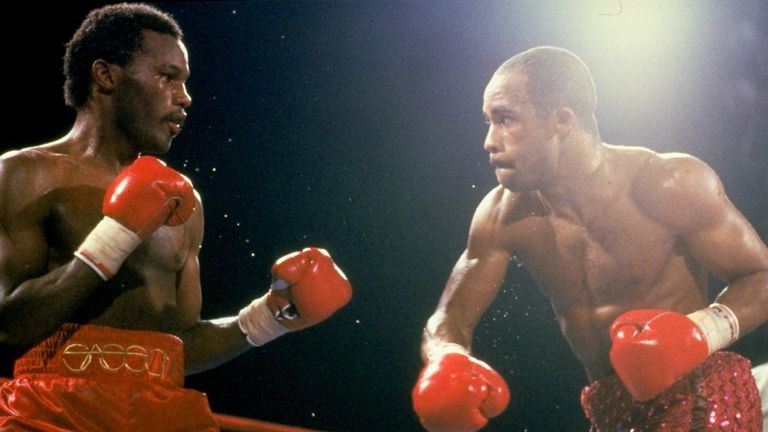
(176, 123)
(504, 164)
(175, 128)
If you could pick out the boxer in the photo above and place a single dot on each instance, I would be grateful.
(622, 240)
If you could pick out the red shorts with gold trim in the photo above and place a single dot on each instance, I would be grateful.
(90, 378)
(719, 395)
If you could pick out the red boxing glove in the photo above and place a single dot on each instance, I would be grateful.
(147, 194)
(307, 284)
(456, 392)
(307, 287)
(654, 348)
(144, 196)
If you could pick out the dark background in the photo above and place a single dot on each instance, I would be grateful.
(357, 126)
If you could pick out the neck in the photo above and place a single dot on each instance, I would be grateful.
(581, 178)
(94, 138)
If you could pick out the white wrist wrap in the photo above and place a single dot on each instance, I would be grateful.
(443, 348)
(107, 246)
(719, 325)
(259, 324)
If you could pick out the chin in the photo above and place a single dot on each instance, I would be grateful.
(159, 149)
(518, 185)
(512, 183)
(517, 188)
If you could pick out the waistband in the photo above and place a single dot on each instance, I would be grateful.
(91, 351)
(721, 391)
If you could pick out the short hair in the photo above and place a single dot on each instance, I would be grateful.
(112, 33)
(556, 77)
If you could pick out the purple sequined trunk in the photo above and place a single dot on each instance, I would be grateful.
(719, 395)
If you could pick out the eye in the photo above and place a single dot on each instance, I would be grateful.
(499, 121)
(167, 74)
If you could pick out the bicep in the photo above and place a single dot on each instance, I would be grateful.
(189, 298)
(728, 247)
(687, 196)
(23, 246)
(715, 232)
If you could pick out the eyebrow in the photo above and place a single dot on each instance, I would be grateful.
(504, 109)
(169, 66)
(172, 68)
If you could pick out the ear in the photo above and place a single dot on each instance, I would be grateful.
(105, 75)
(563, 119)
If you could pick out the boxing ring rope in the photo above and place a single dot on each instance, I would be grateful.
(230, 423)
(241, 424)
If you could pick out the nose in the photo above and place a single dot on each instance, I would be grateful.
(182, 97)
(491, 144)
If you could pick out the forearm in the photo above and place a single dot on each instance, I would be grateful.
(209, 344)
(747, 296)
(39, 306)
(307, 288)
(471, 288)
(440, 332)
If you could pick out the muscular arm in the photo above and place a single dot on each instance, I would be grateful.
(686, 195)
(34, 300)
(207, 343)
(473, 283)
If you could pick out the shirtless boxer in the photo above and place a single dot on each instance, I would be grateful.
(622, 241)
(99, 244)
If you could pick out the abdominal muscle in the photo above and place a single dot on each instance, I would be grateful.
(585, 323)
(144, 295)
(590, 283)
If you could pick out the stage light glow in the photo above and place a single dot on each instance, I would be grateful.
(637, 35)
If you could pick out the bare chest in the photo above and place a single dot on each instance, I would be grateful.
(612, 257)
(76, 210)
(144, 292)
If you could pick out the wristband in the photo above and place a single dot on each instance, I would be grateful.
(258, 323)
(440, 349)
(107, 246)
(719, 325)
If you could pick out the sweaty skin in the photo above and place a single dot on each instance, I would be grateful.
(602, 229)
(50, 199)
